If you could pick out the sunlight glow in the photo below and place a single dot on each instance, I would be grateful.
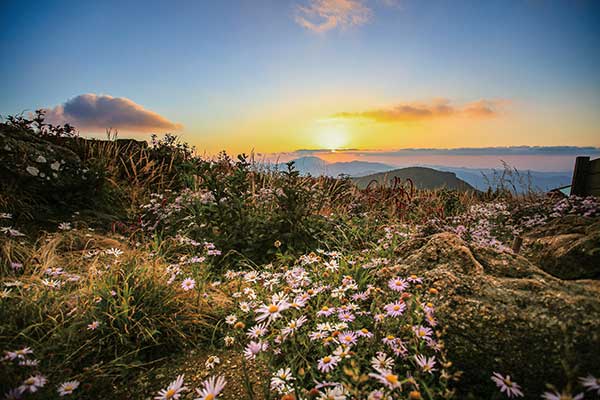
(332, 137)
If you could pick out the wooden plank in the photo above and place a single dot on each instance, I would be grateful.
(593, 181)
(580, 172)
(595, 166)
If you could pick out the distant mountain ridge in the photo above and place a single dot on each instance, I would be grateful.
(421, 177)
(479, 178)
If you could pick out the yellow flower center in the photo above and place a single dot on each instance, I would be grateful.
(170, 393)
(209, 396)
(396, 307)
(273, 308)
(327, 359)
(364, 330)
(391, 378)
(325, 308)
(348, 338)
(390, 337)
(30, 381)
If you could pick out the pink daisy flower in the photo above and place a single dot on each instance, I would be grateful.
(327, 363)
(397, 284)
(395, 309)
(506, 385)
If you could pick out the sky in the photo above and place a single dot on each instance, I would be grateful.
(281, 75)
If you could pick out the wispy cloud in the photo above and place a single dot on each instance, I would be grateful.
(437, 108)
(98, 112)
(324, 15)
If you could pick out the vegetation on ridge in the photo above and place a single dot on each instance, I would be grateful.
(121, 260)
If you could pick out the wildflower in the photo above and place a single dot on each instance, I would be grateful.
(327, 363)
(346, 316)
(16, 266)
(554, 395)
(67, 387)
(381, 361)
(591, 383)
(173, 391)
(253, 348)
(293, 325)
(230, 319)
(229, 341)
(325, 311)
(212, 361)
(272, 311)
(22, 353)
(245, 306)
(386, 377)
(55, 166)
(342, 352)
(347, 338)
(397, 284)
(335, 393)
(114, 252)
(212, 387)
(65, 226)
(364, 332)
(425, 363)
(33, 383)
(505, 384)
(422, 332)
(395, 309)
(360, 296)
(281, 379)
(93, 326)
(414, 279)
(188, 284)
(257, 331)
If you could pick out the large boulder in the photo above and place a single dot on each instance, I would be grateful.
(40, 177)
(567, 247)
(504, 314)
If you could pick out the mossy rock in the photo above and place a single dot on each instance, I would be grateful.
(504, 314)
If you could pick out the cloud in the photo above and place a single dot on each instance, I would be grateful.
(324, 15)
(99, 112)
(437, 108)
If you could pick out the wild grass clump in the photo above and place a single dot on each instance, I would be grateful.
(96, 311)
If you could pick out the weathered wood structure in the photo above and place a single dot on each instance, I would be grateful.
(586, 177)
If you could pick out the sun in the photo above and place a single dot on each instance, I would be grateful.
(332, 137)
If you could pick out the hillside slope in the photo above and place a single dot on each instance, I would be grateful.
(423, 178)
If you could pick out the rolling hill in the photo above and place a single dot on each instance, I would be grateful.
(423, 178)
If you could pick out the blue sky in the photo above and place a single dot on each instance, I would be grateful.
(243, 74)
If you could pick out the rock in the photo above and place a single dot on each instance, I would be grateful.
(504, 314)
(568, 247)
(40, 177)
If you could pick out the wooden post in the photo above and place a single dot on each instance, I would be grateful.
(578, 184)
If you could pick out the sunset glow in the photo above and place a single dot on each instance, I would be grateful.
(298, 74)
